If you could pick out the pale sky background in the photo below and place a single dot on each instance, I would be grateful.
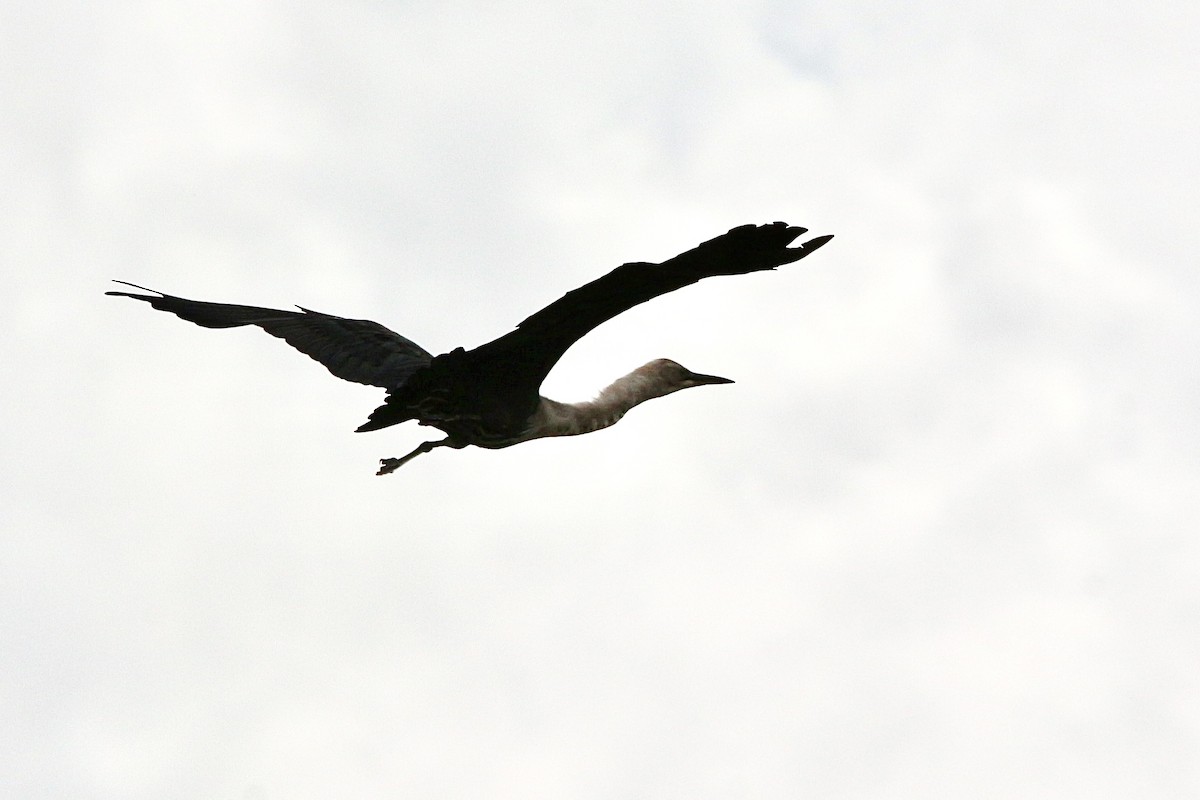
(938, 541)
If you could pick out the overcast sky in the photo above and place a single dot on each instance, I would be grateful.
(939, 540)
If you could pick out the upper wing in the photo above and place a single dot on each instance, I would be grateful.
(538, 342)
(355, 350)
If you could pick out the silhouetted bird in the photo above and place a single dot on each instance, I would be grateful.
(488, 397)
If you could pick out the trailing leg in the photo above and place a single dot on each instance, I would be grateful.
(389, 465)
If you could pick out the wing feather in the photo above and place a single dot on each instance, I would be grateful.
(540, 340)
(356, 350)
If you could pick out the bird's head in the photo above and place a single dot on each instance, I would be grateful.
(666, 376)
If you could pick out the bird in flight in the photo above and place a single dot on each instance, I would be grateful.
(489, 397)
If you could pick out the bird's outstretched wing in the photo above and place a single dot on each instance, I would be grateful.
(502, 377)
(540, 341)
(355, 350)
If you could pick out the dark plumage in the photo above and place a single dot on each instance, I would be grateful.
(488, 396)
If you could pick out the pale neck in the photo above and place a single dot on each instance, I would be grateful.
(571, 419)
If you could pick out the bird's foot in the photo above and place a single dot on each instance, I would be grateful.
(389, 465)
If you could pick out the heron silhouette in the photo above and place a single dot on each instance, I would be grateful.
(489, 397)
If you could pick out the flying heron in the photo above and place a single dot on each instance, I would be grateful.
(489, 397)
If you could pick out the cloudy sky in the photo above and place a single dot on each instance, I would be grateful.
(939, 539)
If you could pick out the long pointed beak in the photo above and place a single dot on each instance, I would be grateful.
(700, 380)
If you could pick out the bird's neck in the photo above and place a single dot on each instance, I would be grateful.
(571, 419)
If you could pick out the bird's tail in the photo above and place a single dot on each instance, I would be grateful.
(389, 414)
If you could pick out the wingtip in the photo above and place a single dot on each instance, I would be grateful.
(135, 286)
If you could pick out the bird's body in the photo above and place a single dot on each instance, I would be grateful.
(488, 397)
